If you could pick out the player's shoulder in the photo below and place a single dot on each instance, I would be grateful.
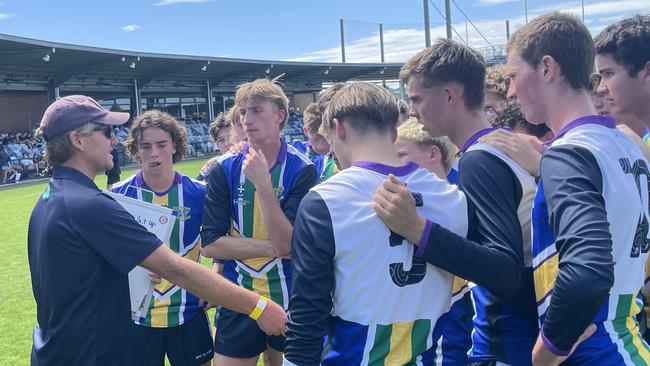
(297, 157)
(123, 186)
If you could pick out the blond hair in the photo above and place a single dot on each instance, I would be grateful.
(263, 90)
(497, 81)
(412, 131)
(312, 118)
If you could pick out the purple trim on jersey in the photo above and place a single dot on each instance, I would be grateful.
(422, 245)
(474, 138)
(282, 154)
(606, 121)
(398, 171)
(551, 347)
(139, 181)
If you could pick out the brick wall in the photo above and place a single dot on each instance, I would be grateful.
(17, 109)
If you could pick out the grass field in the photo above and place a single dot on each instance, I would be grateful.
(17, 306)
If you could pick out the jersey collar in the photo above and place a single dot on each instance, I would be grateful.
(140, 183)
(282, 154)
(605, 121)
(387, 169)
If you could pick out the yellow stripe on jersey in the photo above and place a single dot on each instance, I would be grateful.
(261, 286)
(161, 200)
(545, 276)
(458, 285)
(641, 348)
(159, 312)
(194, 253)
(400, 344)
(259, 232)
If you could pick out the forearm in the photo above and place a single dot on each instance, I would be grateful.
(228, 247)
(202, 282)
(274, 217)
(466, 259)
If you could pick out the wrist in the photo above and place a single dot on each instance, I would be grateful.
(259, 308)
(417, 230)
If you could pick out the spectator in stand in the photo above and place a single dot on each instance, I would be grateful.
(28, 166)
(4, 163)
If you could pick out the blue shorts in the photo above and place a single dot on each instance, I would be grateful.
(187, 344)
(239, 336)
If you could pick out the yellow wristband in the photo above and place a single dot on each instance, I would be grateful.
(259, 308)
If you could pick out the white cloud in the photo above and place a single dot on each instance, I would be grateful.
(400, 44)
(169, 2)
(599, 8)
(5, 16)
(130, 28)
(492, 2)
(287, 15)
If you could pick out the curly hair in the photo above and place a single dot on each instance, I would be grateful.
(628, 42)
(158, 119)
(497, 81)
(509, 115)
(218, 124)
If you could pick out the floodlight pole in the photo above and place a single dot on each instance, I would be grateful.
(583, 11)
(381, 41)
(448, 17)
(427, 26)
(526, 10)
(507, 30)
(342, 41)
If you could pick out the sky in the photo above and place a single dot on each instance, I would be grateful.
(292, 30)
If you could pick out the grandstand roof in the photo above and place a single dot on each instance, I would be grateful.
(25, 61)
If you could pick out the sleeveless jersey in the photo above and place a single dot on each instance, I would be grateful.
(172, 305)
(625, 180)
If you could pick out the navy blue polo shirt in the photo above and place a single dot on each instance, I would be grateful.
(81, 246)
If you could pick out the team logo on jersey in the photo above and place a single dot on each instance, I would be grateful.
(278, 192)
(163, 219)
(182, 213)
(240, 200)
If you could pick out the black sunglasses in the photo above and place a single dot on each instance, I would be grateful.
(108, 130)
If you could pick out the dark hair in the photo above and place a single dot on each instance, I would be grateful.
(594, 81)
(562, 37)
(217, 125)
(510, 115)
(158, 119)
(449, 61)
(628, 42)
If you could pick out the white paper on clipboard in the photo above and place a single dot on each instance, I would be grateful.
(159, 221)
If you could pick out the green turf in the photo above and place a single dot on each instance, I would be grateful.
(17, 306)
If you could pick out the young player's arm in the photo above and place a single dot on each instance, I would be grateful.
(573, 184)
(492, 257)
(278, 223)
(216, 224)
(313, 281)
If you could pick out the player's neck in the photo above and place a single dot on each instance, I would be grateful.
(270, 147)
(471, 123)
(567, 107)
(634, 123)
(159, 182)
(377, 148)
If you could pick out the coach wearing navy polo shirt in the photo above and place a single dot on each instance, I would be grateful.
(82, 244)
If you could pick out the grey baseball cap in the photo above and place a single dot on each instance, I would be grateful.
(73, 111)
